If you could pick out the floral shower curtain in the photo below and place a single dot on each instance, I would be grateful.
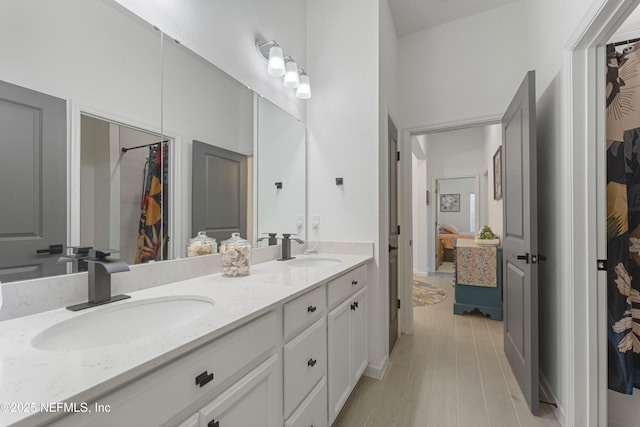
(154, 218)
(623, 217)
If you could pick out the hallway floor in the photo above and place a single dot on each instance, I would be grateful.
(451, 372)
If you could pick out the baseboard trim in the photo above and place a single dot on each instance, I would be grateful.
(377, 371)
(559, 412)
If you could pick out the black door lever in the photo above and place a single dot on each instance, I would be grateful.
(525, 257)
(52, 250)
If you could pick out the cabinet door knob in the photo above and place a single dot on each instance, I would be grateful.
(213, 423)
(312, 362)
(355, 303)
(353, 307)
(204, 378)
(354, 282)
(311, 308)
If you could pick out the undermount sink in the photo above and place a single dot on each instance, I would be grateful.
(121, 323)
(313, 262)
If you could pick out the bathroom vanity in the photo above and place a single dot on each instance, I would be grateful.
(283, 346)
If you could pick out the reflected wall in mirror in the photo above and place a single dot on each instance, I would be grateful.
(281, 172)
(124, 189)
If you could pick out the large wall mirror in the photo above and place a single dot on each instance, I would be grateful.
(145, 87)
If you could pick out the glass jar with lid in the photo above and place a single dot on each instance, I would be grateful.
(235, 255)
(201, 245)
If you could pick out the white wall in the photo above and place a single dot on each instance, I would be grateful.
(464, 69)
(492, 140)
(225, 31)
(94, 173)
(419, 215)
(343, 135)
(463, 187)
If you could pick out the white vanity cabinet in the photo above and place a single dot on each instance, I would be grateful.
(253, 401)
(183, 386)
(347, 336)
(305, 359)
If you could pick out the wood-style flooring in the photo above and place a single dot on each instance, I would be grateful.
(451, 372)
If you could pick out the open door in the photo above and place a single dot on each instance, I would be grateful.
(33, 183)
(520, 243)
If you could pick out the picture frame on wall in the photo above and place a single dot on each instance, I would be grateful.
(497, 174)
(450, 203)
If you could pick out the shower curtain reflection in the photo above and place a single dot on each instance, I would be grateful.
(153, 228)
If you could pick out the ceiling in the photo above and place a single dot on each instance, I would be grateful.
(416, 15)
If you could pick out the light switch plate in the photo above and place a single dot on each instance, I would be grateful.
(315, 221)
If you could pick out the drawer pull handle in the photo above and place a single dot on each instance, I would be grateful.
(213, 423)
(204, 378)
(311, 308)
(354, 282)
(312, 362)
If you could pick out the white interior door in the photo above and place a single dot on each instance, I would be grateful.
(520, 245)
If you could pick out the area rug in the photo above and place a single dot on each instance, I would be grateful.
(427, 294)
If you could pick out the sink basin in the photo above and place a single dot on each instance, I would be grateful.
(313, 262)
(120, 323)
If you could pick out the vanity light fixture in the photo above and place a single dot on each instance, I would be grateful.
(304, 88)
(281, 65)
(291, 78)
(272, 53)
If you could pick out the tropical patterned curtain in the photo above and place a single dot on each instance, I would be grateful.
(154, 216)
(623, 217)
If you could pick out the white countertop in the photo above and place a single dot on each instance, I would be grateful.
(32, 376)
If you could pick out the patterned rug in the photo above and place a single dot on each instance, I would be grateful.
(426, 294)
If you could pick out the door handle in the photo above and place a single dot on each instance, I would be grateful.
(393, 248)
(525, 257)
(52, 250)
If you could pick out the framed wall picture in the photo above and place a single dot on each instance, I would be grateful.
(450, 203)
(497, 174)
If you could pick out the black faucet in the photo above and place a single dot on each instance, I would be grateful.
(77, 258)
(273, 239)
(286, 246)
(100, 270)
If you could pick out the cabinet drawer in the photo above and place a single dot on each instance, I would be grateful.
(303, 311)
(313, 410)
(346, 285)
(305, 362)
(251, 402)
(161, 394)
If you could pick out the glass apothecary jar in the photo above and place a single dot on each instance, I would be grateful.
(201, 245)
(236, 256)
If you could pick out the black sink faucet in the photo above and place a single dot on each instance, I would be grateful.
(77, 258)
(100, 270)
(286, 246)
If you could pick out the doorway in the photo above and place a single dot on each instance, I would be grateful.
(448, 156)
(124, 188)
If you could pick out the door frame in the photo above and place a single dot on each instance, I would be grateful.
(176, 229)
(584, 129)
(405, 255)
